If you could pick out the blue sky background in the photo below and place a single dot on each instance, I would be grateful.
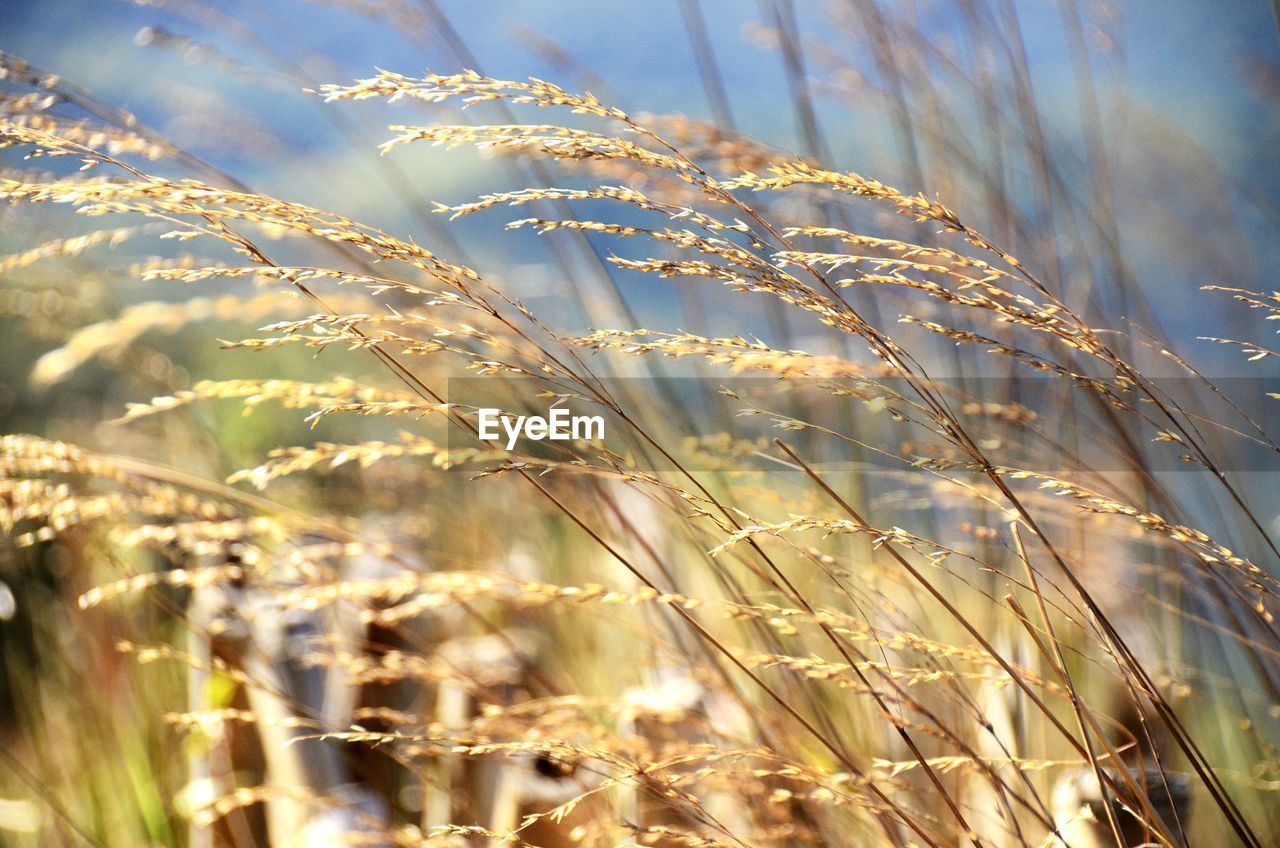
(1185, 56)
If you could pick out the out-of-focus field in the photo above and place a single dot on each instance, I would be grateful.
(936, 501)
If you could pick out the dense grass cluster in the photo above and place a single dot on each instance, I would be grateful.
(969, 612)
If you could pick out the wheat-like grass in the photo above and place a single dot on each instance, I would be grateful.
(813, 676)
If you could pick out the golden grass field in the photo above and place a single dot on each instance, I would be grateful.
(910, 526)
